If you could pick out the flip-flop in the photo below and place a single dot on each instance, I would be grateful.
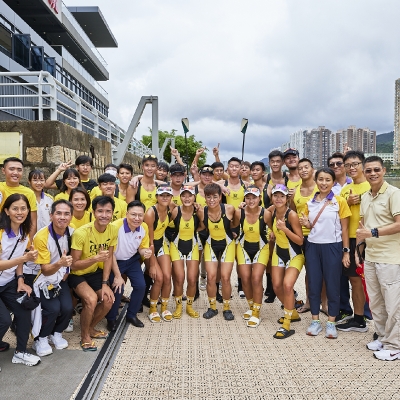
(91, 347)
(100, 335)
(303, 309)
(285, 333)
(280, 320)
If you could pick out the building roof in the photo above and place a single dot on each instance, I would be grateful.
(94, 24)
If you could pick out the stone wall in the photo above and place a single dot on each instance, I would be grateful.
(46, 144)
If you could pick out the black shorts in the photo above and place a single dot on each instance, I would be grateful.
(185, 246)
(218, 247)
(94, 280)
(351, 271)
(251, 249)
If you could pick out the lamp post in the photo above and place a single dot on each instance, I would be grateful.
(243, 128)
(185, 125)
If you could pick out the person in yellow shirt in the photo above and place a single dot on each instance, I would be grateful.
(80, 200)
(92, 258)
(353, 163)
(12, 170)
(70, 180)
(107, 186)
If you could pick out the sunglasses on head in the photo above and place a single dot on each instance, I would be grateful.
(370, 170)
(336, 163)
(149, 157)
(206, 169)
(187, 187)
(252, 190)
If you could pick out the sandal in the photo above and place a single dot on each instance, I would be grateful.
(303, 309)
(166, 316)
(283, 333)
(280, 320)
(253, 322)
(247, 315)
(91, 346)
(210, 313)
(228, 315)
(154, 317)
(100, 335)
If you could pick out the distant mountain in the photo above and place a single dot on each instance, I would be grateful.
(384, 142)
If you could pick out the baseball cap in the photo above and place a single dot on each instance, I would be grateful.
(188, 188)
(177, 169)
(252, 190)
(290, 151)
(280, 188)
(164, 189)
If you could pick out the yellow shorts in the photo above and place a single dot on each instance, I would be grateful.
(184, 248)
(249, 257)
(295, 262)
(219, 250)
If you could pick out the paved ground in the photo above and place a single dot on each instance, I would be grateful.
(200, 359)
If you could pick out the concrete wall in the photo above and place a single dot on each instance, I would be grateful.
(46, 144)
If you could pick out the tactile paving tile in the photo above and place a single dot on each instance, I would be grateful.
(215, 359)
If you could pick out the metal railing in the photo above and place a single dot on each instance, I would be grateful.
(45, 98)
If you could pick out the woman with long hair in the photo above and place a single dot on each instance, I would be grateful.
(15, 224)
(70, 180)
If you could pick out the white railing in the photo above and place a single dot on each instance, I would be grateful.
(56, 102)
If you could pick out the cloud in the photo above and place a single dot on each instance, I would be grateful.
(284, 65)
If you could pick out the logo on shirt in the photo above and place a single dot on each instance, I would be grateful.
(149, 195)
(94, 248)
(187, 225)
(250, 228)
(235, 196)
(216, 227)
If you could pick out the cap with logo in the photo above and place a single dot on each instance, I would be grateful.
(280, 188)
(290, 151)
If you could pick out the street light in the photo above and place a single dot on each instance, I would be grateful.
(185, 125)
(243, 128)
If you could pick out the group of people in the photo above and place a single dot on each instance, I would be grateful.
(158, 230)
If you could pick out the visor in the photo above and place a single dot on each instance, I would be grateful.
(252, 190)
(188, 188)
(280, 188)
(164, 189)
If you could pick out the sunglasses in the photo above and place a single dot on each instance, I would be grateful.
(334, 164)
(370, 170)
(252, 190)
(187, 187)
(206, 169)
(149, 157)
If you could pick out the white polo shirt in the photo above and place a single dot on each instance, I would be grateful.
(328, 228)
(44, 208)
(8, 243)
(130, 241)
(337, 187)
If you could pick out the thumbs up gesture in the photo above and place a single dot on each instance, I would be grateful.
(362, 232)
(65, 261)
(32, 254)
(303, 220)
(103, 254)
(353, 198)
(280, 224)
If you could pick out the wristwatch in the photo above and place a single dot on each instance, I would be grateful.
(105, 283)
(346, 250)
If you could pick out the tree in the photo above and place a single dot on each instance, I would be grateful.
(192, 145)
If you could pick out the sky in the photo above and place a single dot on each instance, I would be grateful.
(283, 64)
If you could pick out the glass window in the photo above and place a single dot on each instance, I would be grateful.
(37, 53)
(21, 50)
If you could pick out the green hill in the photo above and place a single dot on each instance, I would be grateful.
(384, 142)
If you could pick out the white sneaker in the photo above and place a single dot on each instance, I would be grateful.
(376, 345)
(42, 347)
(314, 328)
(387, 355)
(70, 327)
(25, 358)
(58, 341)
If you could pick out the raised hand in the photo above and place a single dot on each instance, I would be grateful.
(280, 224)
(353, 198)
(303, 220)
(174, 152)
(65, 261)
(216, 150)
(102, 255)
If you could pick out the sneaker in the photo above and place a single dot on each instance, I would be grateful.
(387, 355)
(4, 346)
(330, 330)
(58, 341)
(314, 328)
(42, 347)
(70, 327)
(352, 325)
(241, 294)
(376, 345)
(210, 313)
(343, 316)
(228, 315)
(25, 358)
(203, 284)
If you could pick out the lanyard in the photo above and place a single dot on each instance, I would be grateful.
(54, 235)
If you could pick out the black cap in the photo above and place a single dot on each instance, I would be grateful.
(177, 169)
(290, 151)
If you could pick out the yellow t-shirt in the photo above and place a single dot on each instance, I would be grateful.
(355, 218)
(87, 217)
(119, 210)
(89, 240)
(7, 191)
(62, 195)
